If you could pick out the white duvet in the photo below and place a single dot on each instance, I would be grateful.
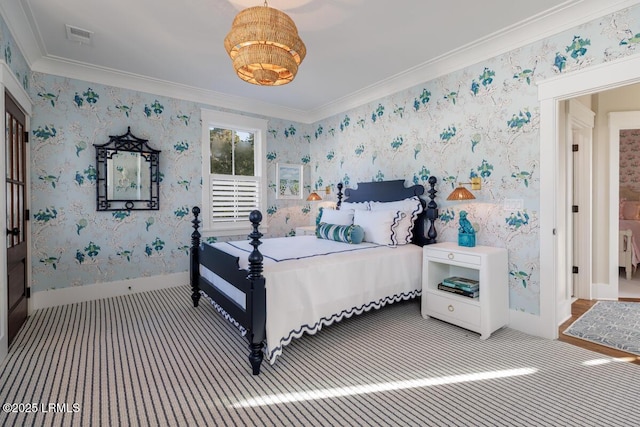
(313, 282)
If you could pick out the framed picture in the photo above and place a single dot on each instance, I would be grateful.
(288, 181)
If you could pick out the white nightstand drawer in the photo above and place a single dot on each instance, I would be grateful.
(450, 308)
(453, 256)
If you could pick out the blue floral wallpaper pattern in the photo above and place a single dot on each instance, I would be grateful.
(73, 245)
(480, 121)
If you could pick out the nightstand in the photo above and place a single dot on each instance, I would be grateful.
(484, 314)
(309, 230)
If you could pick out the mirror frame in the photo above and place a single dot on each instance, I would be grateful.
(106, 155)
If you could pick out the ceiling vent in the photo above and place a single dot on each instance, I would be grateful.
(78, 34)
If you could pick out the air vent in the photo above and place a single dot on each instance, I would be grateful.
(78, 34)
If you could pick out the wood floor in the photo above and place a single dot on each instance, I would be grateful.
(578, 308)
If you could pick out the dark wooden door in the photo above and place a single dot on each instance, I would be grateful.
(15, 151)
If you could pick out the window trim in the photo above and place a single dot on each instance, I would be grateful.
(212, 118)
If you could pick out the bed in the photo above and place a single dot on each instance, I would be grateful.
(274, 297)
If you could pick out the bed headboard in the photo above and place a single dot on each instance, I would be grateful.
(391, 191)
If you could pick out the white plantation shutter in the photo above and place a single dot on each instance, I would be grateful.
(233, 198)
(229, 197)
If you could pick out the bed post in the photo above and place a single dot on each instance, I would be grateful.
(340, 186)
(257, 300)
(432, 211)
(195, 258)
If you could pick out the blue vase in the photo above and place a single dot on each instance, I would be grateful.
(467, 239)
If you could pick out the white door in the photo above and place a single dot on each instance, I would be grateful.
(580, 122)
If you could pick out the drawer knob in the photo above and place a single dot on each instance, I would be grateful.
(450, 308)
(450, 256)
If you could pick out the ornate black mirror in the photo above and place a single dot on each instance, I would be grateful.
(127, 174)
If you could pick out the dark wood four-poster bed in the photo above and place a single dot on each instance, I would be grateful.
(274, 296)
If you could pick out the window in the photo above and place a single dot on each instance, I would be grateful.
(233, 171)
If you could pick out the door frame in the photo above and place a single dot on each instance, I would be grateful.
(10, 83)
(553, 224)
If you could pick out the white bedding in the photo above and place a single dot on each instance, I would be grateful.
(306, 291)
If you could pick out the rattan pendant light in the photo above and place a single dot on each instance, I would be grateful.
(264, 45)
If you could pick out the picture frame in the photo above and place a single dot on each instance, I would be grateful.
(289, 183)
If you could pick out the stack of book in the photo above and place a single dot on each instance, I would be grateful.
(461, 286)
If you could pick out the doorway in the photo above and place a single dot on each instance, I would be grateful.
(623, 185)
(554, 307)
(16, 241)
(628, 277)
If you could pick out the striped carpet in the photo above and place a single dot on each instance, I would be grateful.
(152, 359)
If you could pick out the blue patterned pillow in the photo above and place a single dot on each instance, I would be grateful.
(340, 233)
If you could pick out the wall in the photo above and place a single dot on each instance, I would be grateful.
(630, 159)
(72, 243)
(479, 121)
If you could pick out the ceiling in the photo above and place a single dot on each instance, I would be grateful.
(357, 50)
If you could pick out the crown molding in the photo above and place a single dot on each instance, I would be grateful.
(110, 77)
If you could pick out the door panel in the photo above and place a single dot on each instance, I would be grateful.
(16, 239)
(580, 122)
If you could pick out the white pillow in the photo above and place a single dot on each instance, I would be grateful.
(337, 217)
(379, 226)
(411, 207)
(356, 206)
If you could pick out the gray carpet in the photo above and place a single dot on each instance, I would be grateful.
(615, 324)
(153, 359)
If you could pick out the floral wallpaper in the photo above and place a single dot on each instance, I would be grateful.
(73, 245)
(480, 121)
(630, 159)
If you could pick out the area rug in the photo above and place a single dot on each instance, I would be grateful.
(614, 324)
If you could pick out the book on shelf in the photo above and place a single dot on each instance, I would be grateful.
(454, 290)
(462, 283)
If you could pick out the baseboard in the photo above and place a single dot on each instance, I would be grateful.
(74, 294)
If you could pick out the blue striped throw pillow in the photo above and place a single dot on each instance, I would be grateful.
(341, 233)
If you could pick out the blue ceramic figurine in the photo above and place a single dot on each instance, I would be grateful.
(466, 232)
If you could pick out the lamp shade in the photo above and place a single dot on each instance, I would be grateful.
(314, 197)
(461, 193)
(264, 46)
